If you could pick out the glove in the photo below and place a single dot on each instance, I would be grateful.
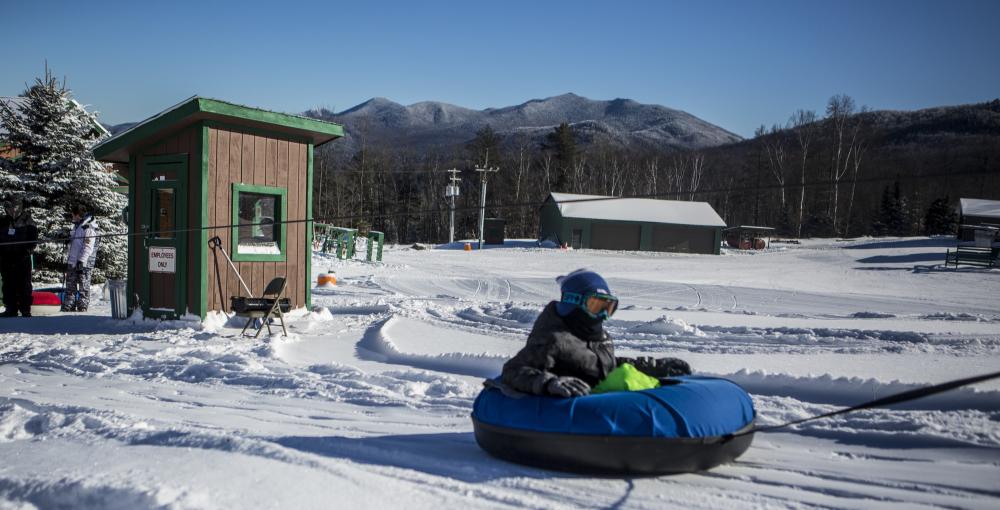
(662, 367)
(567, 387)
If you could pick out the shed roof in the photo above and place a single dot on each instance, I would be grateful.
(675, 212)
(980, 207)
(196, 109)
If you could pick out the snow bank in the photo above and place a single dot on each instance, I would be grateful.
(667, 326)
(848, 391)
(377, 345)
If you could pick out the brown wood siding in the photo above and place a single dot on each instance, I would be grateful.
(241, 157)
(187, 142)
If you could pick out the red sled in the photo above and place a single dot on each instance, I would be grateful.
(45, 303)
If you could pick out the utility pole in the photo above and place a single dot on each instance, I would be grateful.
(482, 201)
(451, 190)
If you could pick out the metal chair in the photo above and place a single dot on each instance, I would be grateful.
(269, 305)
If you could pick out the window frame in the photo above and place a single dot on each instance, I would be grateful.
(282, 194)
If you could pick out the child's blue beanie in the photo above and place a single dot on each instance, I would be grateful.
(581, 282)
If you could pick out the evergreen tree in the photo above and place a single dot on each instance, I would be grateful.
(940, 218)
(484, 149)
(10, 185)
(57, 170)
(893, 216)
(563, 145)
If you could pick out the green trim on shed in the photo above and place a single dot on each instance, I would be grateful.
(130, 257)
(269, 117)
(313, 130)
(179, 164)
(202, 251)
(309, 223)
(282, 224)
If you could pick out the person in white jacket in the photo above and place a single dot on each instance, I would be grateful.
(80, 265)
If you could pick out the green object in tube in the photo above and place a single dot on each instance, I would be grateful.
(626, 378)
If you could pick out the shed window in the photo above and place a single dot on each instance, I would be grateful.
(258, 219)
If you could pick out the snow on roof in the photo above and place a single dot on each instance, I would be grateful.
(674, 212)
(980, 207)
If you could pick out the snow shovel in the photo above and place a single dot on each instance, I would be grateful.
(214, 243)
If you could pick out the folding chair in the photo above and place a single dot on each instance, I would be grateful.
(269, 305)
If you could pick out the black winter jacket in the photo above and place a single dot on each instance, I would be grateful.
(24, 230)
(554, 351)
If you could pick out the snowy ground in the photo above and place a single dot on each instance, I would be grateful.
(366, 404)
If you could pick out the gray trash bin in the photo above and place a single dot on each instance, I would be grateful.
(119, 308)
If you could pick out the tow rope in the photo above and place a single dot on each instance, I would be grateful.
(898, 398)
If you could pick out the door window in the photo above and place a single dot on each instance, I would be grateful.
(164, 213)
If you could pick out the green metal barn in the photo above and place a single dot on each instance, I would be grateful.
(640, 224)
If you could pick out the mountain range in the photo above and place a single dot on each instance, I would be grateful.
(432, 125)
(435, 126)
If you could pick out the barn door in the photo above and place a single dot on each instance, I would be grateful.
(163, 262)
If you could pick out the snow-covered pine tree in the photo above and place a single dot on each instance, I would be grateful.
(56, 170)
(940, 218)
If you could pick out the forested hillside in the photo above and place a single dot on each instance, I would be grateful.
(846, 171)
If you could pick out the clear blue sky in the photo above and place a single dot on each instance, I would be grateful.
(737, 64)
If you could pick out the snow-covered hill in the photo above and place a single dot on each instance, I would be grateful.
(366, 404)
(428, 125)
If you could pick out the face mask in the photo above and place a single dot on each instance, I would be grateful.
(583, 326)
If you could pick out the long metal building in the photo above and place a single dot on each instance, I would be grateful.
(609, 223)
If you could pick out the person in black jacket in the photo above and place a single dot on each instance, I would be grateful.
(568, 352)
(17, 227)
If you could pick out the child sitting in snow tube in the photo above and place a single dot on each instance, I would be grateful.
(568, 353)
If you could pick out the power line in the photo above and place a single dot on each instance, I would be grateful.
(516, 205)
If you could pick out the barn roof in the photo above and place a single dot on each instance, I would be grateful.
(195, 109)
(980, 207)
(674, 212)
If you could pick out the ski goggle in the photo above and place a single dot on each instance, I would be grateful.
(594, 304)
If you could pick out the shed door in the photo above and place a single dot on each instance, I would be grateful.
(683, 239)
(163, 260)
(615, 236)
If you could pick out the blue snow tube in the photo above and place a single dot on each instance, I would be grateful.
(683, 426)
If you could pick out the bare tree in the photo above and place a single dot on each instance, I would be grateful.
(547, 160)
(697, 164)
(803, 123)
(840, 111)
(652, 170)
(774, 143)
(859, 152)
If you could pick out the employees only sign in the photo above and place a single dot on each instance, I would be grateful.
(162, 259)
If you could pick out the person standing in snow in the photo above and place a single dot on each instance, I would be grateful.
(16, 226)
(568, 352)
(80, 265)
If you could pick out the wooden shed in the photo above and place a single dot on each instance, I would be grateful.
(207, 168)
(610, 223)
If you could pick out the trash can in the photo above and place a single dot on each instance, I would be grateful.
(119, 308)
